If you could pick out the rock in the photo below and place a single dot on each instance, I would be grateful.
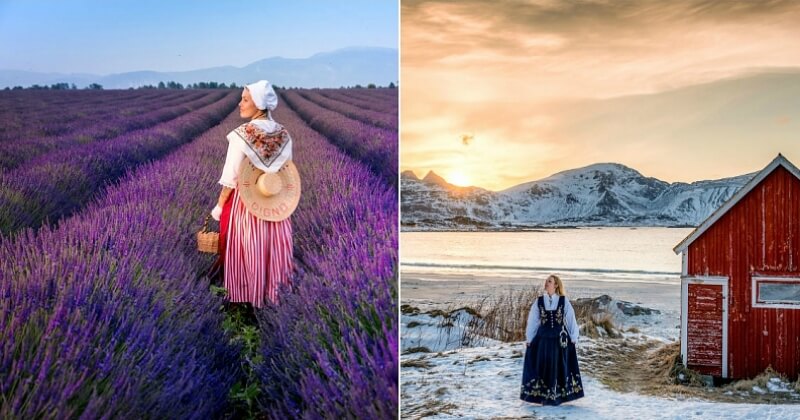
(606, 303)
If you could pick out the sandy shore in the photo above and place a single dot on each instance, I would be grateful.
(441, 289)
(446, 291)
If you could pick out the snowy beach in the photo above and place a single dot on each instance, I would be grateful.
(445, 375)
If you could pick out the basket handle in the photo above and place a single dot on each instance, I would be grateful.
(205, 223)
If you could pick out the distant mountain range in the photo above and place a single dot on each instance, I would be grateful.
(604, 194)
(345, 67)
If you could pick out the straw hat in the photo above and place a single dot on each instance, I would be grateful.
(269, 196)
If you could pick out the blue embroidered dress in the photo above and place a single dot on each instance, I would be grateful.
(550, 374)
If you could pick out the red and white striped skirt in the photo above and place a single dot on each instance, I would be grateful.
(258, 255)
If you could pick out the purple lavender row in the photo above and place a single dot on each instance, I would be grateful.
(378, 104)
(16, 154)
(57, 184)
(379, 119)
(387, 95)
(90, 123)
(65, 119)
(104, 315)
(371, 94)
(22, 113)
(31, 100)
(330, 348)
(375, 146)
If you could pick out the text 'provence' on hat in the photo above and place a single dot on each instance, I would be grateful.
(263, 95)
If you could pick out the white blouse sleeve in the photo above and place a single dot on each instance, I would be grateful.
(234, 158)
(533, 322)
(572, 324)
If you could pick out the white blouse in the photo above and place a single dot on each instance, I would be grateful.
(233, 161)
(550, 304)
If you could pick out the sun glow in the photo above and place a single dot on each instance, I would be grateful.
(459, 178)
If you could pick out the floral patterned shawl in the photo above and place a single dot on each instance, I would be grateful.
(265, 142)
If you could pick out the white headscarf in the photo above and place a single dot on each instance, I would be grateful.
(263, 95)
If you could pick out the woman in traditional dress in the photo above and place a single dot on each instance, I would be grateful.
(256, 254)
(550, 374)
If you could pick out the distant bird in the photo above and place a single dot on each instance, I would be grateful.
(466, 139)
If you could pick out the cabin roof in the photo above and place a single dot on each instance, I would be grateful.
(778, 161)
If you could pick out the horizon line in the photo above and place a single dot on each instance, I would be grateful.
(353, 47)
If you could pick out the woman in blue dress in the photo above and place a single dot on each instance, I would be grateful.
(550, 375)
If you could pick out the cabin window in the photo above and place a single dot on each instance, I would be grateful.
(776, 292)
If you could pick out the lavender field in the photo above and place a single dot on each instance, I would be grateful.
(105, 307)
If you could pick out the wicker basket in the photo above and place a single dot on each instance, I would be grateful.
(207, 241)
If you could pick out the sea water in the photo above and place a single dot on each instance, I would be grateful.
(611, 254)
(633, 264)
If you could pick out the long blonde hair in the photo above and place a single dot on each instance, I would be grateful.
(559, 284)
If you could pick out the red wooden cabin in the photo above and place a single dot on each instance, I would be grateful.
(740, 283)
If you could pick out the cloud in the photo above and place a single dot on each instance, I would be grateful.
(606, 48)
(537, 80)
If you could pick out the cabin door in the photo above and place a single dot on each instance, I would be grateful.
(705, 328)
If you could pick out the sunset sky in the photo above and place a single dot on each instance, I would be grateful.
(496, 93)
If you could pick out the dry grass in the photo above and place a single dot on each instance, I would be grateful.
(479, 359)
(417, 363)
(653, 368)
(596, 324)
(428, 408)
(503, 316)
(408, 309)
(760, 381)
(421, 349)
(647, 367)
(667, 363)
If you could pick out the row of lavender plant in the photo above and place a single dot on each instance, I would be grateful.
(35, 113)
(15, 154)
(31, 100)
(377, 104)
(375, 146)
(104, 317)
(65, 119)
(57, 184)
(388, 95)
(330, 346)
(379, 119)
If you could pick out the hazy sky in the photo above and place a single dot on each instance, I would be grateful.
(103, 37)
(495, 93)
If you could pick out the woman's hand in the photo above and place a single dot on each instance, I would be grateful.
(217, 212)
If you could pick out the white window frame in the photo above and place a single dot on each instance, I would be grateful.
(714, 280)
(755, 279)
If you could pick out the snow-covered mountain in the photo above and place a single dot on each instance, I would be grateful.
(344, 67)
(604, 194)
